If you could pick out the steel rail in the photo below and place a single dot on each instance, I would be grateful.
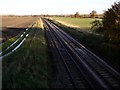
(70, 44)
(95, 79)
(114, 81)
(66, 64)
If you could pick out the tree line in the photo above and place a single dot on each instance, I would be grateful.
(93, 14)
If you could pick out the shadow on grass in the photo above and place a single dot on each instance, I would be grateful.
(9, 32)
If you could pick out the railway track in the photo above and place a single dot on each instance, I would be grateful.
(82, 68)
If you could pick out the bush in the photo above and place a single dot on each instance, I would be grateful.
(111, 23)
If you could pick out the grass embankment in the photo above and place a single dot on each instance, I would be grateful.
(96, 43)
(83, 23)
(28, 67)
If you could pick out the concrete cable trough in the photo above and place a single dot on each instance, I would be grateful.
(16, 44)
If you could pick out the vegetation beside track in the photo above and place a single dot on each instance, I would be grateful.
(96, 43)
(28, 66)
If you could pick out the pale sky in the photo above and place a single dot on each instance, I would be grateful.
(31, 7)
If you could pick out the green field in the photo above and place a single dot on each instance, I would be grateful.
(28, 66)
(83, 23)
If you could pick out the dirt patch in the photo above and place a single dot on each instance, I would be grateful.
(17, 21)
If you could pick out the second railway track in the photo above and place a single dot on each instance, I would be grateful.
(83, 69)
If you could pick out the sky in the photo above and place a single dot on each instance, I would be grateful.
(37, 7)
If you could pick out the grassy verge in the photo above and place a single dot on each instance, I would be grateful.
(97, 44)
(28, 67)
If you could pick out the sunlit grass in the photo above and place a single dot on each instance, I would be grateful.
(83, 23)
